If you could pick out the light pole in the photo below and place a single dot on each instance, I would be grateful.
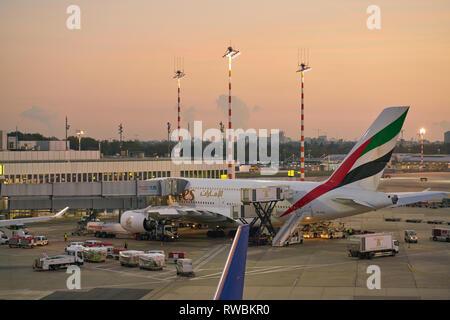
(302, 68)
(67, 129)
(168, 139)
(79, 134)
(421, 133)
(230, 54)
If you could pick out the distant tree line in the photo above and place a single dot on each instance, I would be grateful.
(315, 148)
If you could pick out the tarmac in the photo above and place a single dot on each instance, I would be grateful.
(317, 269)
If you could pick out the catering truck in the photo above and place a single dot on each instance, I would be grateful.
(372, 245)
(440, 234)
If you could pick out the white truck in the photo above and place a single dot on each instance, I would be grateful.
(440, 234)
(14, 231)
(106, 229)
(59, 261)
(372, 245)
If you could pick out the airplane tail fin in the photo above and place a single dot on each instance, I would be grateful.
(364, 164)
(231, 284)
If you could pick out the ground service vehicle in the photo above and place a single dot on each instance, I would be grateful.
(440, 234)
(165, 232)
(80, 244)
(294, 239)
(411, 236)
(106, 229)
(184, 268)
(3, 238)
(18, 230)
(152, 261)
(72, 249)
(372, 245)
(116, 253)
(130, 258)
(41, 240)
(92, 243)
(95, 254)
(22, 242)
(59, 261)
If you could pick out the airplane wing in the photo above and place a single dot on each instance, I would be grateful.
(12, 222)
(188, 214)
(231, 283)
(354, 202)
(405, 198)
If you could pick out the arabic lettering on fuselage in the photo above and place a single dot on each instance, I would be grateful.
(211, 193)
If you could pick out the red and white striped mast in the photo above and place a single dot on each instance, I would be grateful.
(303, 67)
(231, 54)
(179, 74)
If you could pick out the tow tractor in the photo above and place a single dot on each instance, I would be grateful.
(165, 232)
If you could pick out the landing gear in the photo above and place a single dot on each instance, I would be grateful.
(217, 233)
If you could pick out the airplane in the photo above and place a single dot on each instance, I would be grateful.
(14, 222)
(231, 283)
(349, 191)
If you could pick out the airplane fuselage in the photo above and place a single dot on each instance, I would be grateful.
(221, 195)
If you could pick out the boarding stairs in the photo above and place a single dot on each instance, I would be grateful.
(287, 229)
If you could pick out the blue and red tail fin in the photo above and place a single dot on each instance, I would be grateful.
(231, 284)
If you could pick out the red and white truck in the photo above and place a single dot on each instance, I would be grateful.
(22, 242)
(440, 234)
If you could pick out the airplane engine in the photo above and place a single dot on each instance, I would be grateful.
(136, 222)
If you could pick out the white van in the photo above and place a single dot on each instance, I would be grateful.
(41, 240)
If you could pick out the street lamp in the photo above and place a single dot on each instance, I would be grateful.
(168, 138)
(421, 133)
(79, 134)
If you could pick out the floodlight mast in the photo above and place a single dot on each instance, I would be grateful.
(179, 74)
(302, 68)
(421, 133)
(230, 54)
(79, 134)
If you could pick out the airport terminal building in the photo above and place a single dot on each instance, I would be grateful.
(37, 167)
(42, 181)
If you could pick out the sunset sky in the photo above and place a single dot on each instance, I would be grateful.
(119, 66)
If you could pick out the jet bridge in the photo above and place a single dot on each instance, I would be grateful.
(98, 195)
(262, 201)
